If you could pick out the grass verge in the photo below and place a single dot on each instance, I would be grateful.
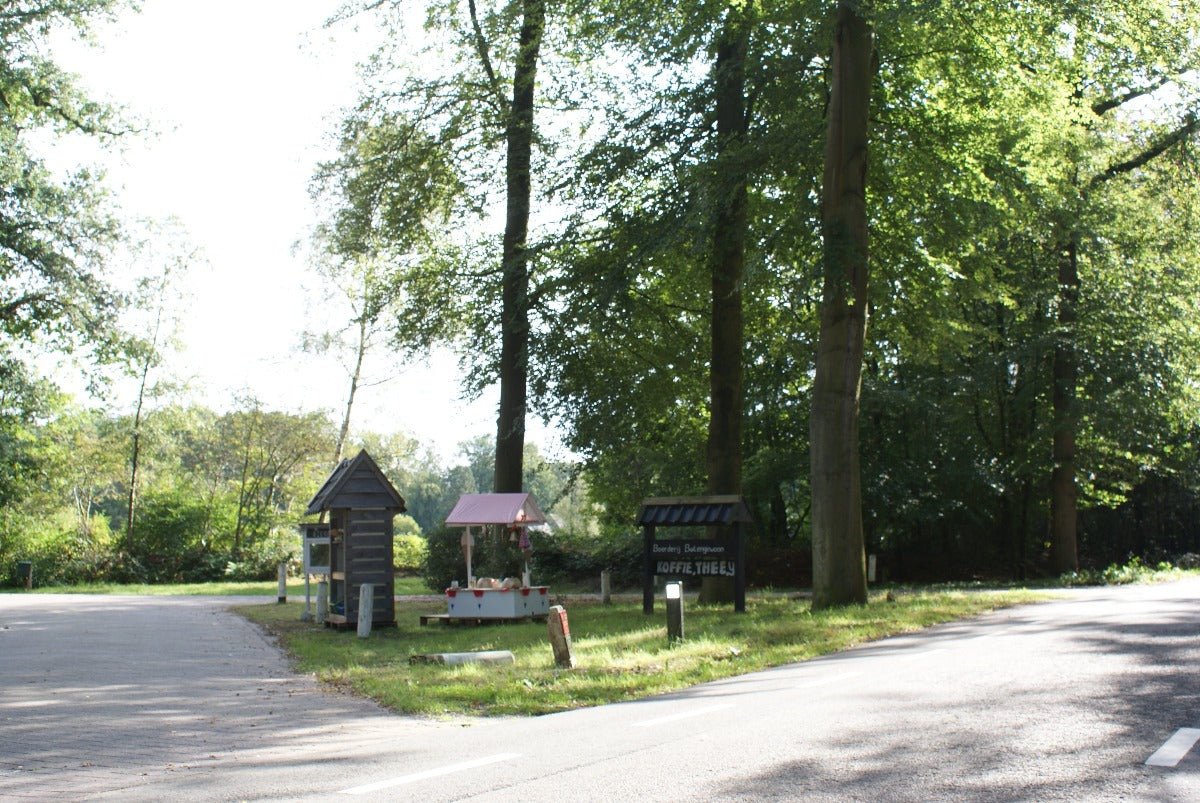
(620, 653)
(263, 588)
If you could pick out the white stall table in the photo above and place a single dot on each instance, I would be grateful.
(498, 603)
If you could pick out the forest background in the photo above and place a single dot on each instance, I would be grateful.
(1032, 202)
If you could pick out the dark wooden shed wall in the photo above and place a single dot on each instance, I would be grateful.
(369, 560)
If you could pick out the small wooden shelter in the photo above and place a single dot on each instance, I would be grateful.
(360, 503)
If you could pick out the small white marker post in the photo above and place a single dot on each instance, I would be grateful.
(282, 583)
(322, 602)
(606, 587)
(366, 609)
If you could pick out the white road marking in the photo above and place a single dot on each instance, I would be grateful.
(698, 712)
(812, 684)
(30, 704)
(427, 774)
(1175, 748)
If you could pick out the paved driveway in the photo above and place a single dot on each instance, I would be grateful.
(109, 694)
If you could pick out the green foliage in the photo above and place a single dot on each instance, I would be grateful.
(445, 562)
(1132, 571)
(57, 227)
(560, 560)
(260, 561)
(410, 552)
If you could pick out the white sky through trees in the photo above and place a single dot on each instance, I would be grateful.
(245, 99)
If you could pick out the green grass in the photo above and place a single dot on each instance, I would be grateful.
(620, 653)
(267, 588)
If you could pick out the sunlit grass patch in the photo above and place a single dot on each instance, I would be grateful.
(621, 654)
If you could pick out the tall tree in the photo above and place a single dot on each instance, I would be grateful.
(156, 294)
(729, 230)
(474, 100)
(839, 573)
(514, 311)
(1111, 56)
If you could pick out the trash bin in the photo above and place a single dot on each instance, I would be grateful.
(25, 573)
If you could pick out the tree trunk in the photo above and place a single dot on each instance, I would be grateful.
(514, 316)
(724, 451)
(136, 444)
(839, 565)
(355, 377)
(1064, 555)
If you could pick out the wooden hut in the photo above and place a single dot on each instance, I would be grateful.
(360, 503)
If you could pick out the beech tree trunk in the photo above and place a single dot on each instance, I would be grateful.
(724, 450)
(839, 563)
(1064, 550)
(514, 320)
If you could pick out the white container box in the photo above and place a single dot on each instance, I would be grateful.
(495, 603)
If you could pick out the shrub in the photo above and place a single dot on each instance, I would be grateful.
(409, 554)
(260, 560)
(492, 556)
(444, 560)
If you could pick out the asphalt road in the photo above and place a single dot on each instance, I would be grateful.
(174, 698)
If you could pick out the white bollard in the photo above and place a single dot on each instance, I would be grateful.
(307, 615)
(322, 602)
(366, 609)
(282, 583)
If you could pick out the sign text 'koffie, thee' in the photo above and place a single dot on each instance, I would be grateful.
(694, 558)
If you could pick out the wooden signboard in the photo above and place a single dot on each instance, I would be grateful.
(679, 558)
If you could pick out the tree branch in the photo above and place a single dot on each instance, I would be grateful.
(1190, 125)
(485, 58)
(1105, 106)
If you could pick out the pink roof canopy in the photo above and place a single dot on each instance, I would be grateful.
(511, 510)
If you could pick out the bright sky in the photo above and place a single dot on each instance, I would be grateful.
(246, 97)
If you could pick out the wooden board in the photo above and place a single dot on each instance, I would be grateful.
(447, 619)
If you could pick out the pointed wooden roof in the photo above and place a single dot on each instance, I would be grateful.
(693, 511)
(357, 483)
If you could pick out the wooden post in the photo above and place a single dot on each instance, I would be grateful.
(322, 601)
(560, 637)
(606, 587)
(648, 570)
(366, 608)
(282, 583)
(739, 581)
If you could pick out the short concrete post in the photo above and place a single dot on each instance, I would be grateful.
(306, 615)
(606, 587)
(560, 637)
(322, 602)
(282, 583)
(366, 608)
